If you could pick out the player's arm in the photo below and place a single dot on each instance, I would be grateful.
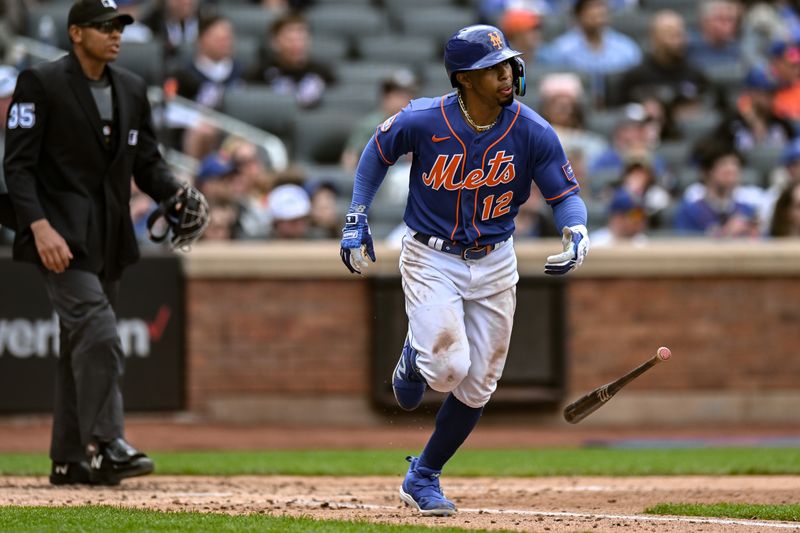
(24, 136)
(389, 142)
(356, 245)
(150, 171)
(559, 186)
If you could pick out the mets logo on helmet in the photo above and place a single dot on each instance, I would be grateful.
(109, 3)
(497, 41)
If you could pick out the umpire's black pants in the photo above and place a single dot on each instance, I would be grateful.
(88, 398)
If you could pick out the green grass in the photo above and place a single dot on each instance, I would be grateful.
(750, 511)
(539, 462)
(93, 519)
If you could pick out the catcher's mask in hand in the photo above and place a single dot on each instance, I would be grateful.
(185, 215)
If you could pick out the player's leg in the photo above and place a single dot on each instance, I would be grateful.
(489, 322)
(68, 455)
(97, 364)
(488, 319)
(436, 351)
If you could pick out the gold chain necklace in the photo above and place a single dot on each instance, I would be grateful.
(469, 118)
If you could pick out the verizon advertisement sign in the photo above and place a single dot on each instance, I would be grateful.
(150, 324)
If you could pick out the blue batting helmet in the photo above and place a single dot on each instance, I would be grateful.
(481, 46)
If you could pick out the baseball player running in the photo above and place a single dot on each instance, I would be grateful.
(475, 152)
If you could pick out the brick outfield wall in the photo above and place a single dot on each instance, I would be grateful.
(275, 349)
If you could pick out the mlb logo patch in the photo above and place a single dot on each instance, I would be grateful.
(568, 172)
(109, 3)
(133, 137)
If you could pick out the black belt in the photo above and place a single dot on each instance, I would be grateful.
(464, 252)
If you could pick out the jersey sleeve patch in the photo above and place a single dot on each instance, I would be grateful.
(568, 172)
(388, 123)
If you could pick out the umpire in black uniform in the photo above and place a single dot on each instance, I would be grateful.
(77, 130)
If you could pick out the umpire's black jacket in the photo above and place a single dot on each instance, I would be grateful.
(57, 165)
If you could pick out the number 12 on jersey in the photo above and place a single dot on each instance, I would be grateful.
(492, 209)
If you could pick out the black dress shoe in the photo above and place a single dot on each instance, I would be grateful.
(69, 473)
(112, 461)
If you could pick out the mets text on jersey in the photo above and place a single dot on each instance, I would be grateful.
(443, 173)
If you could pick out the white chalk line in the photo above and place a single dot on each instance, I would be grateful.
(640, 518)
(565, 514)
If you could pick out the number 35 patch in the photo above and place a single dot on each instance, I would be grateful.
(22, 115)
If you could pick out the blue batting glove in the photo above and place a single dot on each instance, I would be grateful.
(575, 240)
(356, 243)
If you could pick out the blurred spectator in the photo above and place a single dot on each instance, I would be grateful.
(290, 210)
(626, 221)
(561, 105)
(205, 79)
(660, 125)
(784, 65)
(491, 11)
(396, 91)
(717, 41)
(592, 46)
(213, 177)
(325, 216)
(786, 219)
(175, 23)
(754, 124)
(287, 67)
(521, 28)
(213, 69)
(138, 32)
(639, 179)
(713, 209)
(665, 72)
(782, 178)
(765, 22)
(630, 141)
(534, 219)
(250, 185)
(223, 215)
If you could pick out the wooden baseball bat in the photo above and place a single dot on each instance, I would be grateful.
(592, 401)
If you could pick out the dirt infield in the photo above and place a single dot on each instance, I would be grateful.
(554, 504)
(574, 504)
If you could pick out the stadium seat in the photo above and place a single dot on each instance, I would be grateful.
(412, 51)
(634, 23)
(49, 18)
(246, 51)
(357, 98)
(320, 135)
(699, 125)
(328, 50)
(248, 20)
(396, 7)
(675, 154)
(261, 107)
(604, 121)
(363, 73)
(764, 159)
(145, 59)
(346, 20)
(752, 176)
(437, 22)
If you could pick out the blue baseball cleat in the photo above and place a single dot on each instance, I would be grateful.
(421, 489)
(407, 383)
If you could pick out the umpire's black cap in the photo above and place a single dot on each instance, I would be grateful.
(87, 11)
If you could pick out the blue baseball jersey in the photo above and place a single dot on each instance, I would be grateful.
(467, 186)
